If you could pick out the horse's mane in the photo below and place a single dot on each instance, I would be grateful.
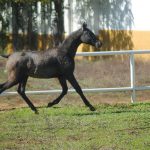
(73, 36)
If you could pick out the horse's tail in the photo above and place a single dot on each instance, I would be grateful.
(5, 56)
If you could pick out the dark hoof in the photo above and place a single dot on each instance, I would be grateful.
(36, 112)
(50, 105)
(92, 109)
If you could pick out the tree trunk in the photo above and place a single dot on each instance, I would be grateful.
(59, 21)
(15, 21)
(29, 28)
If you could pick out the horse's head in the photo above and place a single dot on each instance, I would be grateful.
(89, 37)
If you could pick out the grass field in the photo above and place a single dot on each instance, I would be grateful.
(111, 127)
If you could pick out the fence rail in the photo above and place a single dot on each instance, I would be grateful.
(133, 88)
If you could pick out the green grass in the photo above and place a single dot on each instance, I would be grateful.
(111, 127)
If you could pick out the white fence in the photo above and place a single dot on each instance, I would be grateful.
(132, 86)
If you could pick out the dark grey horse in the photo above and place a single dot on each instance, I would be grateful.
(54, 63)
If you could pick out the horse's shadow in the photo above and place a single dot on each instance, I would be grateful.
(97, 113)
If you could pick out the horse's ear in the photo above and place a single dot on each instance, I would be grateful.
(84, 25)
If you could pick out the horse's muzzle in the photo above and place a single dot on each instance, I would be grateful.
(98, 44)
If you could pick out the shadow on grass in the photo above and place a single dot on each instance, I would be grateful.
(83, 111)
(132, 129)
(118, 109)
(109, 112)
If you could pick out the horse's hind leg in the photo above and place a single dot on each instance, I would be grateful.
(12, 80)
(1, 85)
(78, 89)
(7, 85)
(21, 91)
(64, 92)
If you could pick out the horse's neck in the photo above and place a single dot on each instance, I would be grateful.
(71, 43)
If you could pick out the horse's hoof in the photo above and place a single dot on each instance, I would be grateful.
(92, 109)
(50, 105)
(36, 112)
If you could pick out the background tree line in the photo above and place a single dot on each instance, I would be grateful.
(26, 24)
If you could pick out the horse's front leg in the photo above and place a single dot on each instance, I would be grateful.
(78, 89)
(63, 83)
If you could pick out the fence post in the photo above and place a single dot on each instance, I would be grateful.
(132, 77)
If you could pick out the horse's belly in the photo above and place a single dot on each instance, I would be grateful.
(44, 73)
